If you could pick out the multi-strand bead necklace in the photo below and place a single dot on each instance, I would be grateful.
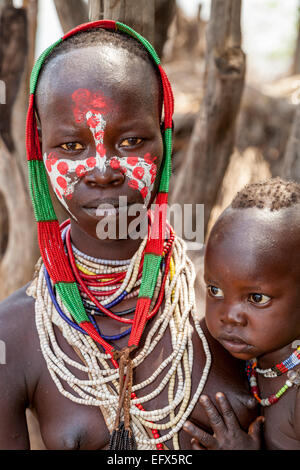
(286, 366)
(102, 386)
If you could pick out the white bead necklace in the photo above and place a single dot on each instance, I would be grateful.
(101, 388)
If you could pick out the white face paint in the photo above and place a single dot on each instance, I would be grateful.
(141, 173)
(65, 173)
(97, 124)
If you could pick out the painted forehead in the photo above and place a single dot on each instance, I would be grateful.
(112, 70)
(86, 104)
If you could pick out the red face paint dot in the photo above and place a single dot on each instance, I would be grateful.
(114, 163)
(68, 196)
(144, 192)
(91, 162)
(48, 166)
(63, 168)
(81, 95)
(58, 193)
(92, 122)
(79, 115)
(99, 135)
(50, 161)
(138, 172)
(61, 182)
(132, 161)
(101, 150)
(133, 184)
(80, 171)
(98, 101)
(153, 170)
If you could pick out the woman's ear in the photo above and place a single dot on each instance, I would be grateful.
(39, 127)
(39, 134)
(162, 127)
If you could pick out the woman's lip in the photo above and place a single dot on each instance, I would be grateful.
(99, 212)
(234, 345)
(96, 212)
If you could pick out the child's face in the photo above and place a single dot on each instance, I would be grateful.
(101, 136)
(252, 276)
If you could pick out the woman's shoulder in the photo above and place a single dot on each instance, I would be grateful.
(17, 308)
(17, 326)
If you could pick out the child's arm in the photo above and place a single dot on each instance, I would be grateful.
(228, 434)
(297, 415)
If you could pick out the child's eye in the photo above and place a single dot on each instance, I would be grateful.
(72, 146)
(130, 142)
(260, 299)
(215, 292)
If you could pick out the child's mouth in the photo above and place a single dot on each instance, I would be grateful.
(234, 344)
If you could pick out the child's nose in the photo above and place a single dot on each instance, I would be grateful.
(105, 177)
(234, 315)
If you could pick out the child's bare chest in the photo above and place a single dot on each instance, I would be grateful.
(279, 432)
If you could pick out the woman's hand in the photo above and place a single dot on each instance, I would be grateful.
(228, 434)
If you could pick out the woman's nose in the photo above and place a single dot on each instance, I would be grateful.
(234, 315)
(104, 177)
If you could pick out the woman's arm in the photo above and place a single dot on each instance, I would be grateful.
(13, 389)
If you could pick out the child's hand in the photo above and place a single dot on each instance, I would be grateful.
(228, 434)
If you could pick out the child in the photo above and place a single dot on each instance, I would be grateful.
(252, 273)
(106, 347)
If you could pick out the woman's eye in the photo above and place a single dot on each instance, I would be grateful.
(130, 142)
(215, 292)
(260, 299)
(72, 146)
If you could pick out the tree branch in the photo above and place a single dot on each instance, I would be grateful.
(96, 10)
(291, 160)
(213, 136)
(125, 11)
(16, 56)
(71, 13)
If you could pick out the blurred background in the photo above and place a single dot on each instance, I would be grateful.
(235, 70)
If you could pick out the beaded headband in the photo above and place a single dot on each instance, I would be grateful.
(50, 242)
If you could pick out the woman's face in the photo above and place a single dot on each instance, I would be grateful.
(101, 137)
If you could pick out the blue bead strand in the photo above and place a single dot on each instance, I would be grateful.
(74, 325)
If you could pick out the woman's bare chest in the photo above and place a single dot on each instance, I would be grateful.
(66, 424)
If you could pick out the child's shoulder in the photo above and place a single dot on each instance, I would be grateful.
(297, 412)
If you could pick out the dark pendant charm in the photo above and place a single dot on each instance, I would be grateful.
(122, 439)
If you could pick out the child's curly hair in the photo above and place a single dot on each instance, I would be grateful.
(274, 193)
